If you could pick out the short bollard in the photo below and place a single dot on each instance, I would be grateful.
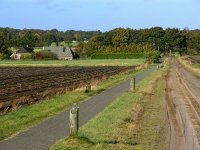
(88, 88)
(132, 84)
(74, 120)
(157, 66)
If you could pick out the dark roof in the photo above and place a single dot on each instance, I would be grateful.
(25, 50)
(60, 51)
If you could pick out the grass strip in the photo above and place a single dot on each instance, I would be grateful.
(194, 68)
(16, 121)
(59, 63)
(133, 121)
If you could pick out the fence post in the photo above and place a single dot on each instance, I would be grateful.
(74, 120)
(132, 84)
(88, 88)
(157, 66)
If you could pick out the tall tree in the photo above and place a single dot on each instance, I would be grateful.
(4, 45)
(175, 40)
(121, 37)
(28, 39)
(156, 37)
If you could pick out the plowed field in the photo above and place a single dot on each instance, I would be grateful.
(26, 85)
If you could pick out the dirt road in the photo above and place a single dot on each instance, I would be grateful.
(183, 107)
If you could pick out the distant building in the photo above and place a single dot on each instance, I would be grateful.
(61, 52)
(23, 51)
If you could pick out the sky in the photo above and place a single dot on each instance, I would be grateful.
(101, 15)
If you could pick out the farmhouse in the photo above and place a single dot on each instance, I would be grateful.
(22, 52)
(61, 52)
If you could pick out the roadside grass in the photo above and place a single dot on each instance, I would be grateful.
(134, 121)
(197, 65)
(194, 68)
(16, 121)
(59, 63)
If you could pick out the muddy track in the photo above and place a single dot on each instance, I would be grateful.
(183, 106)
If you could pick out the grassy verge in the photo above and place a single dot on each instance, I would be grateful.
(58, 63)
(194, 68)
(133, 121)
(197, 65)
(16, 121)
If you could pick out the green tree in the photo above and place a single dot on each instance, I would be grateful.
(121, 37)
(193, 41)
(175, 40)
(156, 37)
(27, 39)
(4, 49)
(77, 36)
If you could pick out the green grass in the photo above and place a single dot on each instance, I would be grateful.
(197, 65)
(133, 121)
(22, 119)
(27, 116)
(57, 63)
(193, 68)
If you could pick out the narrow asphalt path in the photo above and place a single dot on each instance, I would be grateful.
(42, 136)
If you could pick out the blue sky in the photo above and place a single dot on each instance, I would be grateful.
(101, 15)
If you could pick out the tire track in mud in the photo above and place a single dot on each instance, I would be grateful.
(176, 136)
(192, 105)
(183, 108)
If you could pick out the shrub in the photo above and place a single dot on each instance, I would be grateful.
(1, 56)
(117, 55)
(46, 55)
(26, 56)
(5, 56)
(153, 56)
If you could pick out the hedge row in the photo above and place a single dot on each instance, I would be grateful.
(118, 55)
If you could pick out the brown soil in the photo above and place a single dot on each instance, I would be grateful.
(183, 106)
(26, 85)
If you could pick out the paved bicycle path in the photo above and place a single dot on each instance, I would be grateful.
(42, 136)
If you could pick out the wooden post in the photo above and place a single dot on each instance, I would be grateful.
(88, 88)
(132, 84)
(157, 66)
(74, 120)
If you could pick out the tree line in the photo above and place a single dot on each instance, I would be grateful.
(121, 40)
(37, 38)
(10, 37)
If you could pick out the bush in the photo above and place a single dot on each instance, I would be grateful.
(117, 55)
(153, 56)
(5, 56)
(26, 56)
(46, 55)
(1, 56)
